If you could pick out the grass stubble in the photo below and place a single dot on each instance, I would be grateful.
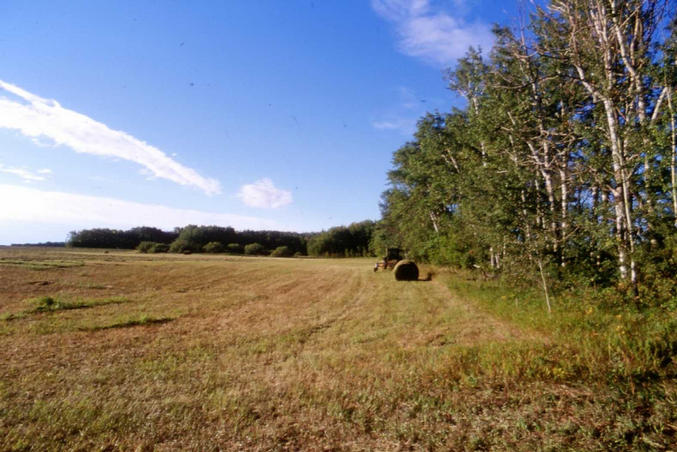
(213, 352)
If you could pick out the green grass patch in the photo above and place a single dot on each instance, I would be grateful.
(49, 303)
(40, 264)
(141, 320)
(589, 337)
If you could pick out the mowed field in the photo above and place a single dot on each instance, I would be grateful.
(174, 352)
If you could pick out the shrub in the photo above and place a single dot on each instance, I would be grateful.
(298, 254)
(234, 248)
(152, 247)
(254, 249)
(180, 246)
(159, 248)
(213, 247)
(281, 251)
(144, 246)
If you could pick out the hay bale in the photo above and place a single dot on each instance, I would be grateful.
(406, 270)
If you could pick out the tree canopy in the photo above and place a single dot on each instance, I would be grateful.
(564, 156)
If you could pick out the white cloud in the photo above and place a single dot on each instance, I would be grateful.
(25, 174)
(403, 115)
(405, 126)
(22, 204)
(41, 119)
(400, 10)
(263, 193)
(433, 36)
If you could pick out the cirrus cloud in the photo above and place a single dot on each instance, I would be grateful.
(264, 194)
(433, 36)
(26, 175)
(41, 119)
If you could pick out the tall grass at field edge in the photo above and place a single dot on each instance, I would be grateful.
(589, 338)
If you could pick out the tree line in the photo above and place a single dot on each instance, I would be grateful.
(340, 241)
(344, 241)
(562, 162)
(191, 238)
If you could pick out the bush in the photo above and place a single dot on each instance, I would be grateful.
(180, 246)
(159, 248)
(281, 251)
(234, 248)
(254, 249)
(298, 254)
(145, 246)
(152, 247)
(213, 247)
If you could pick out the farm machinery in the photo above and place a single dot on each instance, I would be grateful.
(392, 257)
(404, 269)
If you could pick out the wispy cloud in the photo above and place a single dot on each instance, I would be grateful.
(263, 193)
(23, 204)
(41, 119)
(406, 126)
(25, 174)
(432, 35)
(402, 115)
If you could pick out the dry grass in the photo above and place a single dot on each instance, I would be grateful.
(272, 354)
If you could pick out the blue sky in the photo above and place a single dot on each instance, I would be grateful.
(255, 114)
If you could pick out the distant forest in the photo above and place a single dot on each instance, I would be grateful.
(341, 241)
(563, 163)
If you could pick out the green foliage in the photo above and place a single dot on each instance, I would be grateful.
(343, 241)
(542, 170)
(48, 303)
(456, 249)
(191, 238)
(152, 247)
(144, 246)
(213, 247)
(598, 334)
(281, 251)
(159, 248)
(182, 246)
(113, 238)
(199, 236)
(141, 320)
(254, 249)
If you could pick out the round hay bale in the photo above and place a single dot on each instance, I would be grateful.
(406, 270)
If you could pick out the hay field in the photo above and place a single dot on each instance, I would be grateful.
(173, 352)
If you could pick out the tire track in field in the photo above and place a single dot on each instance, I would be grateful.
(422, 313)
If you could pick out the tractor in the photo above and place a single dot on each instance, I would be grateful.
(392, 257)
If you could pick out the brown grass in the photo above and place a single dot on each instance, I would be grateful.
(268, 354)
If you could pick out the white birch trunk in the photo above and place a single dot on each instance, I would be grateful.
(673, 157)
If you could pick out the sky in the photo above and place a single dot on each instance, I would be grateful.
(262, 114)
